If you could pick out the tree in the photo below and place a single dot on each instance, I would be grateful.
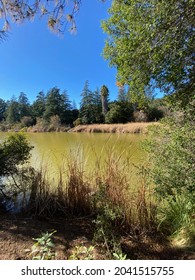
(3, 106)
(87, 105)
(54, 104)
(38, 106)
(58, 13)
(13, 111)
(104, 98)
(120, 112)
(122, 95)
(66, 117)
(24, 105)
(151, 42)
(14, 151)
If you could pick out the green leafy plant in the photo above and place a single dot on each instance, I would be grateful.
(176, 216)
(43, 248)
(120, 256)
(107, 218)
(82, 253)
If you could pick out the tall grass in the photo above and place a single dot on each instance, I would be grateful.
(177, 219)
(107, 186)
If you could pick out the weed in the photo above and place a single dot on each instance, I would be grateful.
(82, 253)
(43, 248)
(120, 256)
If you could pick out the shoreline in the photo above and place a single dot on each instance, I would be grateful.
(132, 128)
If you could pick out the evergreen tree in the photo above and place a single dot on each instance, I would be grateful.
(98, 107)
(54, 104)
(104, 98)
(24, 105)
(38, 106)
(13, 111)
(3, 106)
(87, 105)
(66, 116)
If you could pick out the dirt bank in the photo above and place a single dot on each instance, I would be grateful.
(17, 233)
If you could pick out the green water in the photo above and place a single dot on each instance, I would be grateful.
(52, 149)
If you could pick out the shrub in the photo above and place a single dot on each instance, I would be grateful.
(139, 116)
(14, 151)
(154, 114)
(176, 216)
(172, 153)
(171, 147)
(27, 121)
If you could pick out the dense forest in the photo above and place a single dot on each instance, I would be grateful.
(54, 109)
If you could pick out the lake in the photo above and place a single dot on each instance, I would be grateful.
(52, 149)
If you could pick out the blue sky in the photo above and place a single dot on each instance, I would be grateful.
(34, 59)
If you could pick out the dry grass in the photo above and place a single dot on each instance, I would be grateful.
(140, 127)
(79, 193)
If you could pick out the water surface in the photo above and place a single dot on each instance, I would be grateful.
(52, 149)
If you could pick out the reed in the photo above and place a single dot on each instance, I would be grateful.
(107, 189)
(141, 127)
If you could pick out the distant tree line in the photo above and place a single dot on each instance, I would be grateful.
(55, 108)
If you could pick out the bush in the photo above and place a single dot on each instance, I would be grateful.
(154, 114)
(27, 121)
(120, 112)
(176, 216)
(139, 116)
(14, 151)
(171, 147)
(172, 154)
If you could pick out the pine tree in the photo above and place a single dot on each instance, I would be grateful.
(38, 106)
(104, 98)
(87, 104)
(24, 105)
(13, 111)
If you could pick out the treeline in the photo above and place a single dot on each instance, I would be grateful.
(54, 110)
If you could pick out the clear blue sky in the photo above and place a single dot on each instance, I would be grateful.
(33, 59)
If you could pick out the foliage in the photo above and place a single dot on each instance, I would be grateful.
(77, 122)
(44, 248)
(151, 44)
(120, 112)
(27, 121)
(139, 116)
(14, 151)
(90, 108)
(82, 253)
(120, 256)
(104, 98)
(54, 104)
(38, 106)
(58, 15)
(55, 122)
(106, 220)
(12, 111)
(176, 218)
(172, 161)
(172, 154)
(3, 106)
(154, 114)
(24, 105)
